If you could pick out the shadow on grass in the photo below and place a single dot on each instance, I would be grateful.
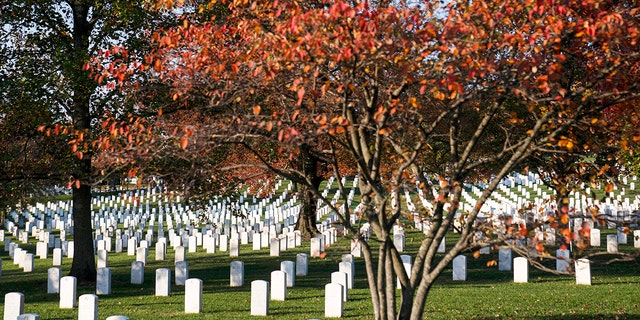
(583, 317)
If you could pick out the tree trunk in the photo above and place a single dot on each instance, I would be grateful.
(406, 303)
(83, 266)
(419, 301)
(307, 163)
(307, 219)
(390, 280)
(371, 279)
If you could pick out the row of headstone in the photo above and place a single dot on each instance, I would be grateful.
(512, 194)
(87, 304)
(101, 229)
(263, 291)
(520, 266)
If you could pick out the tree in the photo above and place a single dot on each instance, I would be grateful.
(465, 86)
(28, 159)
(50, 42)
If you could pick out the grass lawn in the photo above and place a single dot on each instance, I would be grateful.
(488, 293)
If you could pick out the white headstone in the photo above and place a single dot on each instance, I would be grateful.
(234, 247)
(180, 254)
(57, 257)
(622, 237)
(333, 300)
(278, 285)
(28, 263)
(224, 242)
(260, 297)
(264, 239)
(182, 272)
(636, 239)
(504, 259)
(41, 250)
(244, 237)
(612, 243)
(68, 292)
(13, 305)
(193, 244)
(348, 268)
(118, 245)
(193, 296)
(70, 249)
(7, 246)
(562, 260)
(348, 257)
(236, 274)
(520, 270)
(407, 263)
(53, 280)
(209, 242)
(103, 281)
(316, 247)
(356, 248)
(460, 268)
(274, 247)
(256, 242)
(28, 316)
(18, 256)
(88, 307)
(141, 254)
(289, 267)
(103, 259)
(595, 237)
(161, 251)
(302, 264)
(583, 272)
(163, 282)
(132, 245)
(137, 272)
(443, 245)
(341, 279)
(399, 242)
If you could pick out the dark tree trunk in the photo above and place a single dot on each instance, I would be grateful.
(83, 266)
(307, 219)
(308, 164)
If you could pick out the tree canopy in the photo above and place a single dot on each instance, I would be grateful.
(423, 95)
(46, 47)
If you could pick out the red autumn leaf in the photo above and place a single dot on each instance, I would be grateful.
(183, 142)
(608, 188)
(300, 95)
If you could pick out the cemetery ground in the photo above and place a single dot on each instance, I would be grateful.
(487, 293)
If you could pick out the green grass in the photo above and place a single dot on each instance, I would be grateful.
(488, 293)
